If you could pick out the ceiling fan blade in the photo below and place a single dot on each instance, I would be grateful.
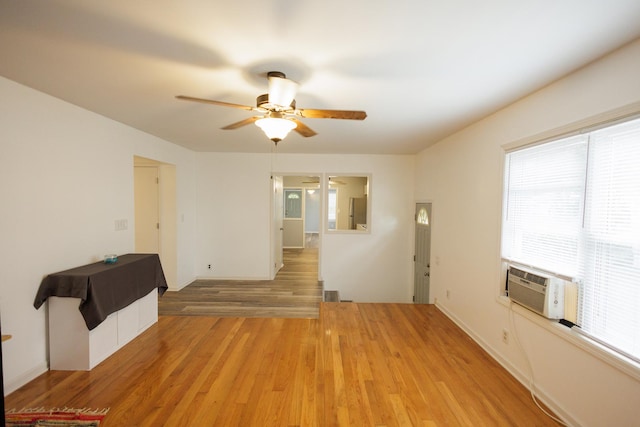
(210, 101)
(303, 129)
(332, 114)
(241, 123)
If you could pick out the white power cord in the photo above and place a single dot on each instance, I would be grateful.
(526, 357)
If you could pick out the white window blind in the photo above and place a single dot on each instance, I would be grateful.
(572, 206)
(544, 190)
(332, 208)
(610, 267)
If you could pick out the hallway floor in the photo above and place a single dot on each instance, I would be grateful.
(294, 293)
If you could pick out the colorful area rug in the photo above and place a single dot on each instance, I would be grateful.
(55, 417)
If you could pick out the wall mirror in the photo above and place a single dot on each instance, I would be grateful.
(348, 203)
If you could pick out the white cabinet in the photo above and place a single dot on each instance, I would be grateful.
(72, 347)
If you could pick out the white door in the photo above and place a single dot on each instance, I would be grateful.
(277, 225)
(147, 222)
(293, 236)
(422, 253)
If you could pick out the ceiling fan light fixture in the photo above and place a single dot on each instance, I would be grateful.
(276, 128)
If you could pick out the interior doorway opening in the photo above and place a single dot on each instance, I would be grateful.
(155, 213)
(297, 217)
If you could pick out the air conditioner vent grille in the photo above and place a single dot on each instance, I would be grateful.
(517, 272)
(540, 280)
(537, 279)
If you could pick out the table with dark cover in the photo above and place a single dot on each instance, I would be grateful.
(105, 288)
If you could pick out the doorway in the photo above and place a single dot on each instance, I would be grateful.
(296, 217)
(155, 215)
(422, 278)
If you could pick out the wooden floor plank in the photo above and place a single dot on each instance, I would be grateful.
(294, 293)
(357, 364)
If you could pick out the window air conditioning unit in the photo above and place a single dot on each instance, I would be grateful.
(539, 293)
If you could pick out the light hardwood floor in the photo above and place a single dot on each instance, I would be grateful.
(356, 365)
(219, 357)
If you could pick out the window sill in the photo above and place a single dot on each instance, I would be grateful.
(612, 358)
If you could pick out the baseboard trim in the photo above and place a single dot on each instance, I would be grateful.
(180, 287)
(11, 386)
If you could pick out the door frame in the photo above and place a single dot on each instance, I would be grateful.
(274, 218)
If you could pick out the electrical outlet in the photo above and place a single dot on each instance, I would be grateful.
(505, 336)
(209, 266)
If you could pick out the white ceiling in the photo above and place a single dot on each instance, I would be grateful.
(421, 69)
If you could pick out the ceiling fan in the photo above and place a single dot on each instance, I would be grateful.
(278, 112)
(332, 181)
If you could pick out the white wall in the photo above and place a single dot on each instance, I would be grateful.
(234, 205)
(462, 176)
(233, 228)
(67, 175)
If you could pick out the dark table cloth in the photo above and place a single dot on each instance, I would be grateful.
(105, 288)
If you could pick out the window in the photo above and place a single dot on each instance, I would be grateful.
(572, 207)
(292, 203)
(422, 217)
(332, 208)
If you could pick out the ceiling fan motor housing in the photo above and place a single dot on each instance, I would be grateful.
(262, 101)
(278, 74)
